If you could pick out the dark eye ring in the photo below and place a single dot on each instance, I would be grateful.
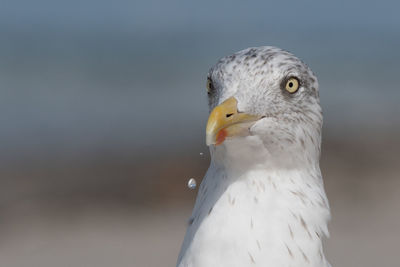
(210, 86)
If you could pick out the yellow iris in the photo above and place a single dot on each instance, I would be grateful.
(292, 85)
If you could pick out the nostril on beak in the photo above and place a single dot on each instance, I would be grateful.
(229, 114)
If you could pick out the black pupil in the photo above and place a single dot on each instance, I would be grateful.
(290, 84)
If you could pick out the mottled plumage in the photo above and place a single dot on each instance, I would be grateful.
(262, 201)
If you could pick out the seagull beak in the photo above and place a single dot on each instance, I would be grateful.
(226, 121)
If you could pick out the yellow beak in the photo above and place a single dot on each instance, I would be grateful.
(225, 121)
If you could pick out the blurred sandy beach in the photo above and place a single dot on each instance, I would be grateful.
(129, 222)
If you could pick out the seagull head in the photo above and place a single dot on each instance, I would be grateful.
(264, 97)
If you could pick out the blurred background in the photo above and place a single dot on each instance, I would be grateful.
(103, 112)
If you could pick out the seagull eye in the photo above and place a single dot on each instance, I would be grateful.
(210, 86)
(292, 85)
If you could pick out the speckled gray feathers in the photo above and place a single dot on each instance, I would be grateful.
(268, 67)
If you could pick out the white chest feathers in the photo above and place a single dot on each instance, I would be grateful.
(260, 218)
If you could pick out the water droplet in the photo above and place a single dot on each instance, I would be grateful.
(201, 153)
(191, 183)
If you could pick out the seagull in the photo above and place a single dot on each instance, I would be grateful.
(262, 201)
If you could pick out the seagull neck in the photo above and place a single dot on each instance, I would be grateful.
(238, 158)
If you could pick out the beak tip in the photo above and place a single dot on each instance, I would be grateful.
(209, 140)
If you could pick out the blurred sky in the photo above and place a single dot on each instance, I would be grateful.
(84, 77)
(159, 15)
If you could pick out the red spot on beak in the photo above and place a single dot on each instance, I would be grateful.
(221, 135)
